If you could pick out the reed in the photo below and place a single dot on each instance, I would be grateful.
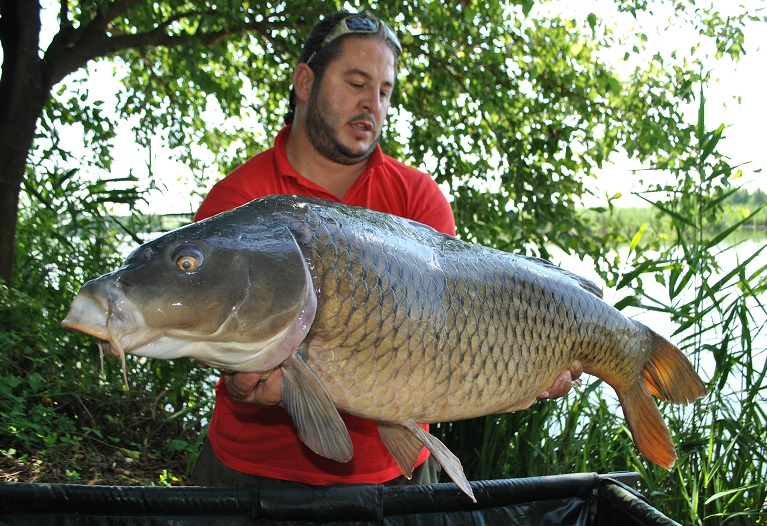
(717, 315)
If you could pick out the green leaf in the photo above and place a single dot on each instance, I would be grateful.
(637, 237)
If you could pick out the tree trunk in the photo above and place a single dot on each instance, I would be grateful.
(23, 92)
(9, 208)
(27, 80)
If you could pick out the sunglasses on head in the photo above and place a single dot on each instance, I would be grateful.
(357, 24)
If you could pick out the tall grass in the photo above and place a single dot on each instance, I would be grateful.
(717, 315)
(721, 476)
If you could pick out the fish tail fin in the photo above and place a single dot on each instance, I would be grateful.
(668, 375)
(647, 426)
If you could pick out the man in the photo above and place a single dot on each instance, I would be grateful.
(342, 88)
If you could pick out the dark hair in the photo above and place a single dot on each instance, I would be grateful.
(321, 56)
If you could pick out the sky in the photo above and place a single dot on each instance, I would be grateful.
(744, 136)
(735, 96)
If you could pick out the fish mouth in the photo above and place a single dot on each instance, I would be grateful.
(97, 332)
(107, 344)
(86, 317)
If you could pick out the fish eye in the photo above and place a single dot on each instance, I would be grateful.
(187, 263)
(188, 259)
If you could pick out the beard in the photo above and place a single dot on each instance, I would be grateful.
(319, 128)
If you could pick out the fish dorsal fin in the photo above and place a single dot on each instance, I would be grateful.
(313, 411)
(584, 283)
(402, 444)
(444, 456)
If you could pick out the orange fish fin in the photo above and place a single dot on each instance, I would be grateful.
(669, 375)
(647, 426)
(313, 411)
(402, 444)
(444, 456)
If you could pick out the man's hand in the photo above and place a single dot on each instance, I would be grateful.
(564, 382)
(262, 389)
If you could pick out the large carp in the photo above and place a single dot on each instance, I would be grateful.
(379, 317)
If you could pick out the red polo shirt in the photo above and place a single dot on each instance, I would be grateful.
(264, 441)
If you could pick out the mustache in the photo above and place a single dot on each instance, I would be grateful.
(365, 117)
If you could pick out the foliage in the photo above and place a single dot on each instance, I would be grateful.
(53, 401)
(718, 314)
(510, 110)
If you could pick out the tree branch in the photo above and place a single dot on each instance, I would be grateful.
(73, 49)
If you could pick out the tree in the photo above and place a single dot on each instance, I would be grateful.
(99, 30)
(511, 112)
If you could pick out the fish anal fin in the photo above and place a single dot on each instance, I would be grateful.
(313, 411)
(647, 426)
(402, 444)
(669, 375)
(449, 462)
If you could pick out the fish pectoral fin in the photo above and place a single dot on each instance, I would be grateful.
(449, 462)
(313, 411)
(402, 444)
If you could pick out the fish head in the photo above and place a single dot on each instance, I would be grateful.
(233, 295)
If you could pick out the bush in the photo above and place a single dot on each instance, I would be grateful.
(55, 405)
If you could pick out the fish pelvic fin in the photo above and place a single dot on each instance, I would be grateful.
(669, 375)
(313, 411)
(449, 462)
(402, 444)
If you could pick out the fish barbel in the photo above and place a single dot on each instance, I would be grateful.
(380, 317)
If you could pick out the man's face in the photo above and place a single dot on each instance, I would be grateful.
(347, 109)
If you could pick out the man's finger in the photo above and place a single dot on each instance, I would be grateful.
(561, 386)
(262, 389)
(231, 387)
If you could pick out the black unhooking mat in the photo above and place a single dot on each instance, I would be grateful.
(577, 500)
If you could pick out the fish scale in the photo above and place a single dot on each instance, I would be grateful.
(380, 317)
(472, 294)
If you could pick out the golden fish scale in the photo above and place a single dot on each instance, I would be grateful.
(451, 334)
